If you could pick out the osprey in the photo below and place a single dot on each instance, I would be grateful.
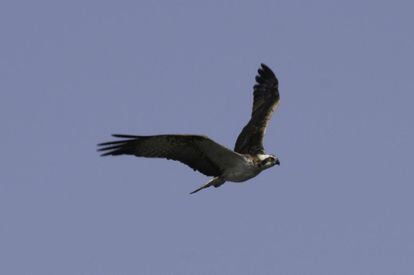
(203, 154)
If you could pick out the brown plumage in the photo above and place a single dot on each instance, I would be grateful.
(198, 152)
(265, 99)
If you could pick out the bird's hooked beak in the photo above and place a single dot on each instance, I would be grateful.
(277, 162)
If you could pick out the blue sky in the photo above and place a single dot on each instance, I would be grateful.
(73, 72)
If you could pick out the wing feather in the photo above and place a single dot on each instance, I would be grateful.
(198, 152)
(265, 99)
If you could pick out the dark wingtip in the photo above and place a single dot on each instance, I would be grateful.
(117, 147)
(104, 154)
(111, 142)
(265, 72)
(125, 136)
(264, 66)
(107, 151)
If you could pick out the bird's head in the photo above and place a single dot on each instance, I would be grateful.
(267, 161)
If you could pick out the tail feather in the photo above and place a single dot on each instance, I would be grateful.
(201, 188)
(216, 182)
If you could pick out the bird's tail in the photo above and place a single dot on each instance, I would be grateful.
(216, 182)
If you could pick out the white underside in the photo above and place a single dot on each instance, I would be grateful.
(241, 171)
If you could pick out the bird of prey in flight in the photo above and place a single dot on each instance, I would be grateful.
(203, 154)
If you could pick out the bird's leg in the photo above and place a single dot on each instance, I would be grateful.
(216, 182)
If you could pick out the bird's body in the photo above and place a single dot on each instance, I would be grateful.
(241, 170)
(244, 169)
(205, 155)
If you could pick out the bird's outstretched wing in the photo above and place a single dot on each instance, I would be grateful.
(198, 152)
(265, 100)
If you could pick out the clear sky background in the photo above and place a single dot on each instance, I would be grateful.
(73, 72)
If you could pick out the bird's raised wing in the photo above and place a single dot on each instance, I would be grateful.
(198, 152)
(265, 100)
